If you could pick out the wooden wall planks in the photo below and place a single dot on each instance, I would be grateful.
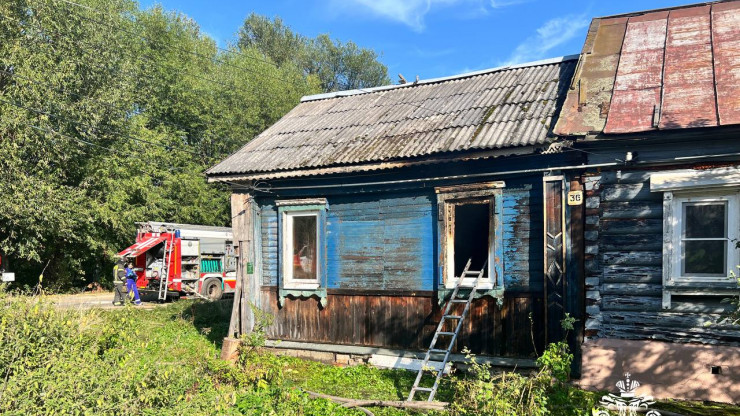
(382, 265)
(406, 322)
(389, 241)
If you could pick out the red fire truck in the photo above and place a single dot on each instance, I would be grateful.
(175, 260)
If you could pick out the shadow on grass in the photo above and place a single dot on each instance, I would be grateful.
(210, 318)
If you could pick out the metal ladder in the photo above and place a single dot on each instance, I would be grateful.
(164, 279)
(447, 316)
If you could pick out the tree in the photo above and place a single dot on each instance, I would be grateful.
(344, 66)
(110, 115)
(338, 66)
(273, 38)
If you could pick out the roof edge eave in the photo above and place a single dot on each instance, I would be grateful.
(384, 165)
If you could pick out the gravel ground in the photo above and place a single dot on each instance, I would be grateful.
(103, 300)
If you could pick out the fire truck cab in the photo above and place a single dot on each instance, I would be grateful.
(182, 259)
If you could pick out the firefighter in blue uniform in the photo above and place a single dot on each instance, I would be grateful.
(133, 291)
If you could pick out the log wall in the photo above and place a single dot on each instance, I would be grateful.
(624, 233)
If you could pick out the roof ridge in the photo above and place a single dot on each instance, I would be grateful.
(359, 91)
(662, 9)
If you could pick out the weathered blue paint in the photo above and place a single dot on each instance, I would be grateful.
(522, 229)
(371, 243)
(389, 241)
(381, 243)
(498, 232)
(270, 259)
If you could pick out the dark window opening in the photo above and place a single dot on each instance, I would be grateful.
(472, 228)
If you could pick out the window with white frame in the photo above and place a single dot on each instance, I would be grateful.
(700, 230)
(302, 244)
(705, 230)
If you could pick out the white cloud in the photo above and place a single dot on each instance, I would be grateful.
(552, 34)
(413, 12)
(500, 4)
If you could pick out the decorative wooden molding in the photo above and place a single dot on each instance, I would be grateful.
(688, 179)
(667, 246)
(470, 187)
(301, 202)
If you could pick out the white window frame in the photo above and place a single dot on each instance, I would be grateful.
(287, 211)
(676, 186)
(733, 233)
(287, 250)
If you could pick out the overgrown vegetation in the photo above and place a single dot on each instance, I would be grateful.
(545, 391)
(166, 361)
(110, 114)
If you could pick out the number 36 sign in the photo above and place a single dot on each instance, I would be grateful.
(575, 197)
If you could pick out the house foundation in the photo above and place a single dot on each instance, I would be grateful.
(664, 370)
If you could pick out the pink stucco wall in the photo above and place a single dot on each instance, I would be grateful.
(664, 370)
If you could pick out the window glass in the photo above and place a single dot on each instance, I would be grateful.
(304, 247)
(705, 220)
(704, 241)
(705, 257)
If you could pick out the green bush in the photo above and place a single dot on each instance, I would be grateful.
(543, 392)
(96, 362)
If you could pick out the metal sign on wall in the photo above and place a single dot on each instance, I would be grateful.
(575, 198)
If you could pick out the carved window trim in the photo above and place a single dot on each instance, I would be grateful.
(287, 209)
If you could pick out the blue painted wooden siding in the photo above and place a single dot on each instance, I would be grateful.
(523, 236)
(381, 243)
(372, 243)
(270, 261)
(389, 241)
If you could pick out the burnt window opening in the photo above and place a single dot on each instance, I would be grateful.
(472, 231)
(470, 227)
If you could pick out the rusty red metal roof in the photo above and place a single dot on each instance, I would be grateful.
(658, 70)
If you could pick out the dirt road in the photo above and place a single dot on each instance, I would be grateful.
(103, 300)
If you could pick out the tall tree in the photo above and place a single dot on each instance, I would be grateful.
(273, 38)
(337, 65)
(109, 115)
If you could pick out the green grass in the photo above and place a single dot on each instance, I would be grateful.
(698, 408)
(165, 361)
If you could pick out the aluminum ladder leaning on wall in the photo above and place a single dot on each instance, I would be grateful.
(164, 278)
(447, 316)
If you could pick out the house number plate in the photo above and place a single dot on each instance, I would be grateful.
(575, 197)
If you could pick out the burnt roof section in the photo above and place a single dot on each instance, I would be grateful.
(493, 109)
(658, 70)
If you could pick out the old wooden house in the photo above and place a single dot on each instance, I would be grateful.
(655, 104)
(605, 185)
(361, 208)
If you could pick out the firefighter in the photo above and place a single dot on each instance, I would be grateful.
(119, 281)
(133, 291)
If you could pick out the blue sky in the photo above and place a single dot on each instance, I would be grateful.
(429, 38)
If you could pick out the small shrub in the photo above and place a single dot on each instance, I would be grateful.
(504, 394)
(258, 336)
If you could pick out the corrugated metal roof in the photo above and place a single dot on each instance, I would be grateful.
(664, 69)
(503, 107)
